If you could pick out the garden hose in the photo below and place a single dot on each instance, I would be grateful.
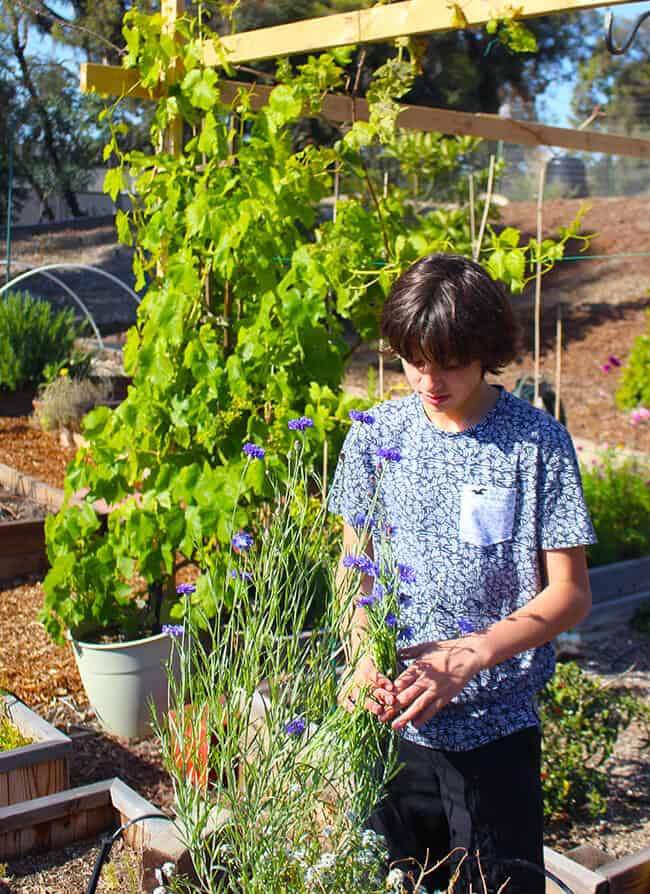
(107, 844)
(545, 872)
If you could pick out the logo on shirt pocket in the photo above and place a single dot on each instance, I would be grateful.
(487, 513)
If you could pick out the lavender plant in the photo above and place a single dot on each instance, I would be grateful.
(273, 780)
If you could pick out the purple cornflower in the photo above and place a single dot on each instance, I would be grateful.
(241, 575)
(406, 632)
(605, 367)
(465, 626)
(390, 530)
(362, 563)
(360, 416)
(614, 360)
(406, 573)
(389, 453)
(378, 590)
(360, 520)
(295, 727)
(254, 451)
(368, 599)
(391, 620)
(173, 629)
(404, 600)
(300, 424)
(242, 541)
(185, 589)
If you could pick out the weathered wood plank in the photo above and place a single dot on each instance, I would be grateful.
(580, 879)
(117, 81)
(410, 17)
(20, 483)
(54, 807)
(629, 875)
(38, 769)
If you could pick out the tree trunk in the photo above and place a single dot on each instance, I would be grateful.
(46, 124)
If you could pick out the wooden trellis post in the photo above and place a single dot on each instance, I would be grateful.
(173, 140)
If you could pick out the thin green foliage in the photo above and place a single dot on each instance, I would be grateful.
(634, 389)
(277, 801)
(582, 718)
(32, 336)
(618, 499)
(10, 735)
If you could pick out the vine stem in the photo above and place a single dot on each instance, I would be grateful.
(486, 210)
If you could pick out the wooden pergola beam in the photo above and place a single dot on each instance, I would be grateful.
(118, 81)
(407, 18)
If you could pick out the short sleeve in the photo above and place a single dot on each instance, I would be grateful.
(563, 520)
(351, 494)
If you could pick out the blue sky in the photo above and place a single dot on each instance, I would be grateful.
(552, 105)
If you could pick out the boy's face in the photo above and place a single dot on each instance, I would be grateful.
(451, 395)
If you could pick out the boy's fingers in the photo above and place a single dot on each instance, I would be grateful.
(413, 651)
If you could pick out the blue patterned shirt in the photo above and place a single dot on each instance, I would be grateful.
(471, 512)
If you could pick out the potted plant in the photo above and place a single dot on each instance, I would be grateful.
(118, 637)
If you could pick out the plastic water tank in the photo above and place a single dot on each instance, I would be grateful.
(569, 172)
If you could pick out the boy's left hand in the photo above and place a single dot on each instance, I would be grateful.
(438, 673)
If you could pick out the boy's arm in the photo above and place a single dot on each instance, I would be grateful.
(361, 671)
(442, 669)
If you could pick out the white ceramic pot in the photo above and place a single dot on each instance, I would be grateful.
(122, 679)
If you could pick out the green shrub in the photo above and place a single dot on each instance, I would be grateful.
(634, 389)
(581, 721)
(32, 336)
(618, 499)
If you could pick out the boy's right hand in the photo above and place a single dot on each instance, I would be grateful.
(364, 676)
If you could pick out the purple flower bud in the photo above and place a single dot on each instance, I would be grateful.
(241, 575)
(185, 589)
(391, 620)
(242, 540)
(614, 360)
(295, 727)
(605, 367)
(360, 520)
(367, 599)
(406, 573)
(465, 626)
(389, 453)
(360, 416)
(254, 451)
(300, 424)
(404, 600)
(406, 632)
(173, 629)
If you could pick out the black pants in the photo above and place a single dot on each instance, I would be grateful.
(486, 802)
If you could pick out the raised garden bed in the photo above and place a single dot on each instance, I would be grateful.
(588, 870)
(38, 769)
(77, 814)
(26, 503)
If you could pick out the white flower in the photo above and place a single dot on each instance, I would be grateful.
(168, 869)
(394, 880)
(326, 861)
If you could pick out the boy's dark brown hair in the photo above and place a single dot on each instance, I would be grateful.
(448, 310)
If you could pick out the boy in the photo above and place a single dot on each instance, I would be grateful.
(484, 496)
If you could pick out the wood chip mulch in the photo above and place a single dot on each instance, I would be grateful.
(33, 451)
(44, 675)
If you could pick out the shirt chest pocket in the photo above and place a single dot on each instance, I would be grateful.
(487, 514)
